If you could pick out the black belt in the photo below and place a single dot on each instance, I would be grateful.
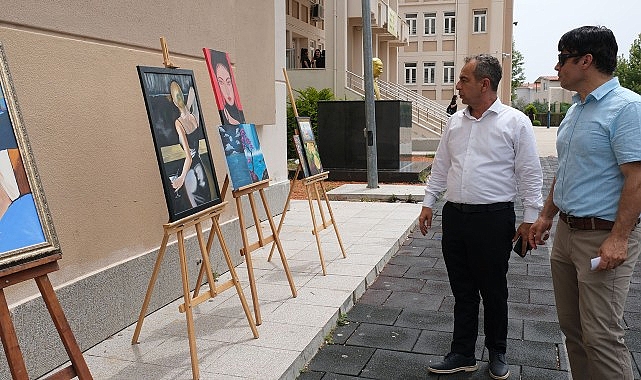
(588, 223)
(468, 208)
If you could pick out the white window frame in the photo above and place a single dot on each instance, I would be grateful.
(429, 22)
(449, 22)
(410, 72)
(480, 21)
(429, 72)
(411, 19)
(448, 73)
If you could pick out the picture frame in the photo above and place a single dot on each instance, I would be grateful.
(223, 83)
(312, 157)
(301, 154)
(243, 154)
(177, 127)
(26, 227)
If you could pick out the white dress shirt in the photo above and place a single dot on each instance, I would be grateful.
(488, 160)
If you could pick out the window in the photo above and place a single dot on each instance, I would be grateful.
(449, 22)
(448, 72)
(430, 23)
(410, 73)
(429, 72)
(410, 18)
(480, 24)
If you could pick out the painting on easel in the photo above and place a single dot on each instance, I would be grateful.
(26, 228)
(312, 156)
(182, 149)
(224, 85)
(243, 154)
(301, 154)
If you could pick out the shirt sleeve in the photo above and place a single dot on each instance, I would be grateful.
(437, 181)
(528, 172)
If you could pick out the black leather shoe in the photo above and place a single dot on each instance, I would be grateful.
(498, 366)
(454, 362)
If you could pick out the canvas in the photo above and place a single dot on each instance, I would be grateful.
(301, 154)
(181, 144)
(224, 85)
(309, 145)
(244, 156)
(26, 228)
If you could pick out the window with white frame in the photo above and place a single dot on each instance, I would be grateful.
(480, 21)
(449, 23)
(411, 18)
(448, 72)
(410, 73)
(429, 72)
(429, 20)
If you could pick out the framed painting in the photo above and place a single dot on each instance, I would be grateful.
(182, 148)
(26, 227)
(224, 85)
(301, 154)
(243, 154)
(309, 146)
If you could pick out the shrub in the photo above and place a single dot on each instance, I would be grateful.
(536, 123)
(306, 105)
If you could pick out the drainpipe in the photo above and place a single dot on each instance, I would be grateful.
(370, 116)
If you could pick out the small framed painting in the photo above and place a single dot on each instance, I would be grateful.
(301, 154)
(224, 85)
(26, 226)
(182, 148)
(309, 146)
(243, 154)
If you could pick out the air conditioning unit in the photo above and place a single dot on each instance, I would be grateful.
(317, 12)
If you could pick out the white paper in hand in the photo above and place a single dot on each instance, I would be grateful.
(595, 262)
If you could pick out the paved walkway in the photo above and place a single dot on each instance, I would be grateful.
(404, 320)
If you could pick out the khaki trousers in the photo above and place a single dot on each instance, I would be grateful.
(590, 304)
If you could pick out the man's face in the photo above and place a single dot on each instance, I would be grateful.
(568, 68)
(468, 87)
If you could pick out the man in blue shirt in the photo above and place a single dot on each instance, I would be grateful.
(597, 191)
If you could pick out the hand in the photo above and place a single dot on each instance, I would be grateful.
(229, 118)
(178, 183)
(613, 252)
(522, 232)
(425, 219)
(539, 232)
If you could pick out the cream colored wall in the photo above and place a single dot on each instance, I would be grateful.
(74, 71)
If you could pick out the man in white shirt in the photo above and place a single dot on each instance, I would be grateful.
(487, 156)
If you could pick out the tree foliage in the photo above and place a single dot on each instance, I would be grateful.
(629, 69)
(306, 105)
(518, 74)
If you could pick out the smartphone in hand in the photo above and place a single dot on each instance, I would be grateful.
(518, 246)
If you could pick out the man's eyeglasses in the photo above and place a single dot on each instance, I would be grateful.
(564, 57)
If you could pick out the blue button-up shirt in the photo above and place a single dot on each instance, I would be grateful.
(594, 138)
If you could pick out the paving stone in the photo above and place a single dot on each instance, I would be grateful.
(413, 261)
(310, 375)
(432, 274)
(392, 270)
(347, 360)
(408, 250)
(437, 287)
(426, 320)
(532, 312)
(541, 331)
(334, 376)
(633, 340)
(542, 297)
(386, 337)
(537, 354)
(518, 295)
(400, 284)
(374, 296)
(516, 268)
(386, 365)
(413, 300)
(381, 315)
(433, 343)
(534, 373)
(539, 270)
(527, 282)
(633, 319)
(342, 333)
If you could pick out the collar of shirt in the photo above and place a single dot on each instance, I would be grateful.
(495, 107)
(598, 92)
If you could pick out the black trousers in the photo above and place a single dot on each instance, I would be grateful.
(476, 248)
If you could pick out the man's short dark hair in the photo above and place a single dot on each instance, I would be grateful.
(487, 67)
(596, 40)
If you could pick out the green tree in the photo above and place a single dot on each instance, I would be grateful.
(518, 74)
(306, 105)
(629, 69)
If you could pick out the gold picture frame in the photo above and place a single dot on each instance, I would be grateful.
(26, 226)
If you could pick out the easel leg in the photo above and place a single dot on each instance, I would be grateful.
(282, 216)
(188, 310)
(10, 342)
(331, 215)
(320, 207)
(150, 288)
(248, 262)
(60, 321)
(277, 241)
(315, 231)
(206, 264)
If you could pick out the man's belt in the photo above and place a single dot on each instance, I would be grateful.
(469, 208)
(590, 223)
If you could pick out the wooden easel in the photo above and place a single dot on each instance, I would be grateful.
(38, 270)
(248, 247)
(178, 228)
(312, 186)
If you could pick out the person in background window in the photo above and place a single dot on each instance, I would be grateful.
(451, 108)
(318, 61)
(304, 59)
